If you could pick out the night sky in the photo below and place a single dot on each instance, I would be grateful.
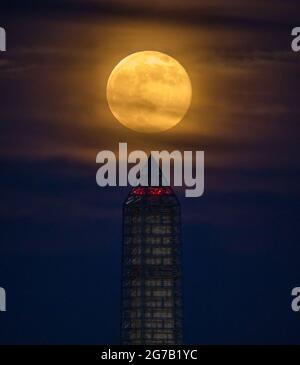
(60, 237)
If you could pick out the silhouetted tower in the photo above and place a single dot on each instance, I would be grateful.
(152, 309)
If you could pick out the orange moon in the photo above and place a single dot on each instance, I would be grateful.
(149, 92)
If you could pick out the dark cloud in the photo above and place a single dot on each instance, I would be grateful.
(237, 14)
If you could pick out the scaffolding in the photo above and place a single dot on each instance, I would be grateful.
(152, 308)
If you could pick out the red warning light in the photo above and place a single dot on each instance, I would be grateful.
(139, 191)
(154, 191)
(159, 191)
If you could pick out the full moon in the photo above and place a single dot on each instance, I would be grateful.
(149, 92)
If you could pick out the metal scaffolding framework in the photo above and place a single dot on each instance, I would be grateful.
(152, 308)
